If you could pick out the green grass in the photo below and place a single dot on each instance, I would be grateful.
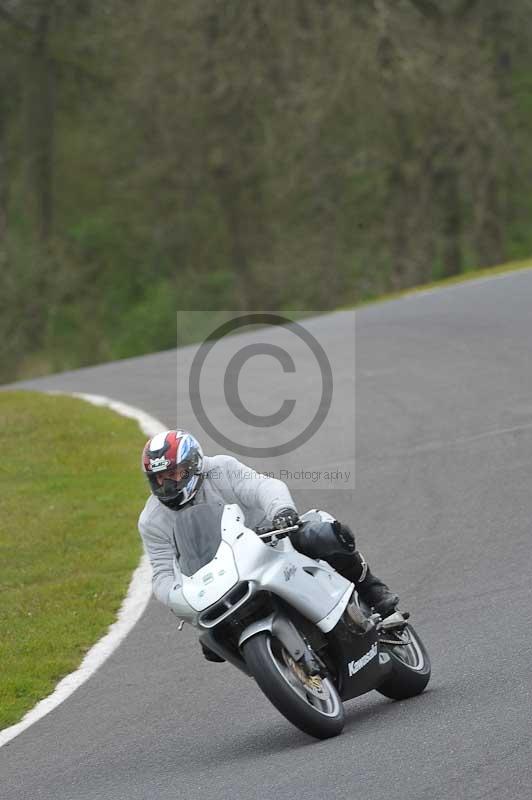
(70, 493)
(463, 277)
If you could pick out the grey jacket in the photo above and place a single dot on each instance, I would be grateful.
(226, 479)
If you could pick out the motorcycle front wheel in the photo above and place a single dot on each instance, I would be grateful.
(311, 704)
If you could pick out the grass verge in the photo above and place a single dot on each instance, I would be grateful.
(463, 277)
(70, 493)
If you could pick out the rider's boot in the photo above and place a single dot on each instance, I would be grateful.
(371, 590)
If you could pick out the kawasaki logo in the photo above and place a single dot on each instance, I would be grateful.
(355, 666)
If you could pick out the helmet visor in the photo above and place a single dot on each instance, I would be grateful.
(169, 483)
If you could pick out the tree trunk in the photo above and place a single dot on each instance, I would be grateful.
(4, 187)
(41, 123)
(399, 227)
(450, 204)
(490, 236)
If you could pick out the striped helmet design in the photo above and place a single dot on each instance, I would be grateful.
(173, 463)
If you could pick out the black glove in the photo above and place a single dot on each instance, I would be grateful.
(345, 536)
(285, 518)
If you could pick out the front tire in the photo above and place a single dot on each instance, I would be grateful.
(316, 711)
(410, 666)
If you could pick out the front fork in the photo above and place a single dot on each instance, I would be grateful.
(296, 645)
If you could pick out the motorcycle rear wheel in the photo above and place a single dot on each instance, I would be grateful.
(317, 711)
(410, 667)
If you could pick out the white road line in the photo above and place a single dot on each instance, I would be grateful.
(136, 600)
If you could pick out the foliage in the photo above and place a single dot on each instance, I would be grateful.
(214, 154)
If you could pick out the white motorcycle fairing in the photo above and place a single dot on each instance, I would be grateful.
(243, 560)
(212, 581)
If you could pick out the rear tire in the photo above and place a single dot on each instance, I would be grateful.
(269, 663)
(410, 668)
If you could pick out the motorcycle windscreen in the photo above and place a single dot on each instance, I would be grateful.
(197, 535)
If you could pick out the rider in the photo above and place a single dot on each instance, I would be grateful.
(179, 474)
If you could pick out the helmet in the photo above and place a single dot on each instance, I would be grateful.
(173, 463)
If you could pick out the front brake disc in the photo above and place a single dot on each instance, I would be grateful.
(312, 683)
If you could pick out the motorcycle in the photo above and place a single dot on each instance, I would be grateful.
(292, 623)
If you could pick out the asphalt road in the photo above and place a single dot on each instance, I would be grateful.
(442, 509)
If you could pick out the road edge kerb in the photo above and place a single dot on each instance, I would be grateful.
(131, 610)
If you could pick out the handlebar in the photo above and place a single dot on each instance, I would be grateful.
(279, 533)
